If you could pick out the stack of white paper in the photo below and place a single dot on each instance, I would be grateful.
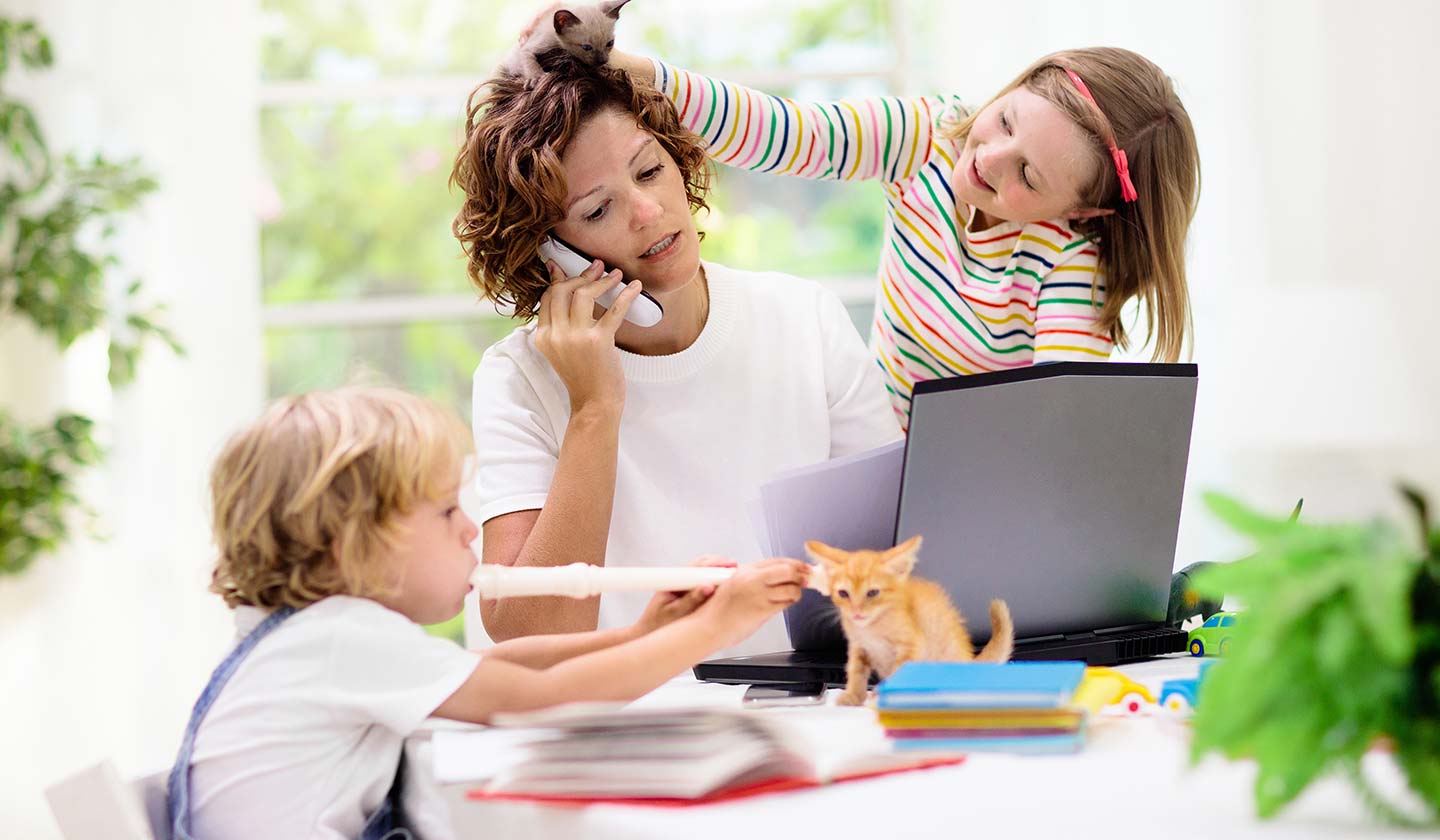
(850, 503)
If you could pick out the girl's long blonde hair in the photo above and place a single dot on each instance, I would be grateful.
(1141, 244)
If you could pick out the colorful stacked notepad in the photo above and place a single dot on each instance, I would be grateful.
(1019, 707)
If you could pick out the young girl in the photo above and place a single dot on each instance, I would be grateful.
(1014, 234)
(339, 534)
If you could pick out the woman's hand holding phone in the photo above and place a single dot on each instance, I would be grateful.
(580, 347)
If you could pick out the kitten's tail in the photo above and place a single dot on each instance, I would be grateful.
(1002, 635)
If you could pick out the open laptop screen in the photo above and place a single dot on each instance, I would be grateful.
(1056, 487)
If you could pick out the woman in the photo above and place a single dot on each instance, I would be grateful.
(605, 442)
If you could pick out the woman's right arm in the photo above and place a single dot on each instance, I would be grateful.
(574, 523)
(887, 138)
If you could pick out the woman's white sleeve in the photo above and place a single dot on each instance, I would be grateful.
(516, 448)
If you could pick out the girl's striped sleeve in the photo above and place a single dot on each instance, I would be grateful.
(888, 138)
(1067, 311)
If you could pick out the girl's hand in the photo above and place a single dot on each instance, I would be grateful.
(579, 347)
(756, 592)
(666, 607)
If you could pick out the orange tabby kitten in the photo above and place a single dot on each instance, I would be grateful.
(891, 618)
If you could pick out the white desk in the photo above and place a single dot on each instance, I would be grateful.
(1131, 780)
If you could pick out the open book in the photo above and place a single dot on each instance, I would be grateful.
(590, 752)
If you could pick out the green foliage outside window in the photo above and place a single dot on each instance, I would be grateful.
(356, 204)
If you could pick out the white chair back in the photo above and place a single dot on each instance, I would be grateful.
(96, 804)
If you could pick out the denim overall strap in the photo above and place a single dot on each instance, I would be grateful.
(384, 824)
(388, 820)
(178, 797)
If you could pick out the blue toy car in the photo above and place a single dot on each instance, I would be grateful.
(1179, 696)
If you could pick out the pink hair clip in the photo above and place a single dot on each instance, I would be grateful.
(1122, 163)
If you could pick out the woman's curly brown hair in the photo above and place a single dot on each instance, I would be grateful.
(516, 129)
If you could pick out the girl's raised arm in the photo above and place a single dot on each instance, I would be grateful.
(886, 138)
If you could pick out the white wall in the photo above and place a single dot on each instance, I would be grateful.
(1313, 289)
(104, 647)
(1317, 124)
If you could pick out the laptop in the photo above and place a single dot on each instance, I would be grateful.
(1056, 487)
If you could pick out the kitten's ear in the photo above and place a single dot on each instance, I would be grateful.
(900, 560)
(564, 19)
(822, 553)
(820, 578)
(613, 8)
(911, 545)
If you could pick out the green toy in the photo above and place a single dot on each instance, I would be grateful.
(1213, 637)
(1185, 602)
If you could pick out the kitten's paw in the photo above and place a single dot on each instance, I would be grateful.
(853, 698)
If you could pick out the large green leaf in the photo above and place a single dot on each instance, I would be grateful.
(1382, 596)
(1243, 519)
(1322, 660)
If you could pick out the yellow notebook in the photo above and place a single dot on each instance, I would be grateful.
(980, 718)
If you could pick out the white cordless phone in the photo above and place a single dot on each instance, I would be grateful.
(645, 311)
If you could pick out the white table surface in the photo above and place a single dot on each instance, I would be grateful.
(1132, 779)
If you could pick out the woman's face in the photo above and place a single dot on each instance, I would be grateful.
(1024, 160)
(626, 204)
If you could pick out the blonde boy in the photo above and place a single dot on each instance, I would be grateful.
(339, 532)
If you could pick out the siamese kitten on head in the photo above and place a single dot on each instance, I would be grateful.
(891, 617)
(585, 30)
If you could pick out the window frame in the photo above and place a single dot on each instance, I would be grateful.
(422, 308)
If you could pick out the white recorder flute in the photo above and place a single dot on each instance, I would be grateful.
(582, 580)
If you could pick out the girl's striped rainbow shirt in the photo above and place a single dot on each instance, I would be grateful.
(951, 300)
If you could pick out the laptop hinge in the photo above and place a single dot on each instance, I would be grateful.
(1030, 640)
(1130, 628)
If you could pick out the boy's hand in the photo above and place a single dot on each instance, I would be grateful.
(756, 592)
(666, 607)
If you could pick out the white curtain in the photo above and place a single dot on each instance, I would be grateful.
(1308, 260)
(104, 647)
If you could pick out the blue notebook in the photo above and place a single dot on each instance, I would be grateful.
(1023, 745)
(980, 685)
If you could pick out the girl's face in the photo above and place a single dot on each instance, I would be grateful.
(433, 561)
(626, 204)
(1024, 161)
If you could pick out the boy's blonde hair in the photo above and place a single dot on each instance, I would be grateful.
(306, 499)
(1142, 244)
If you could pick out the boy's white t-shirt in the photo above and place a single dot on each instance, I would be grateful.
(304, 739)
(778, 378)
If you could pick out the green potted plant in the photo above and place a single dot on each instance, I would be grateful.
(1339, 653)
(57, 214)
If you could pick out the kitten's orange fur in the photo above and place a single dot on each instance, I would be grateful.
(891, 618)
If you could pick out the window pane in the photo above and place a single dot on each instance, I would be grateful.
(356, 201)
(361, 40)
(433, 359)
(798, 36)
